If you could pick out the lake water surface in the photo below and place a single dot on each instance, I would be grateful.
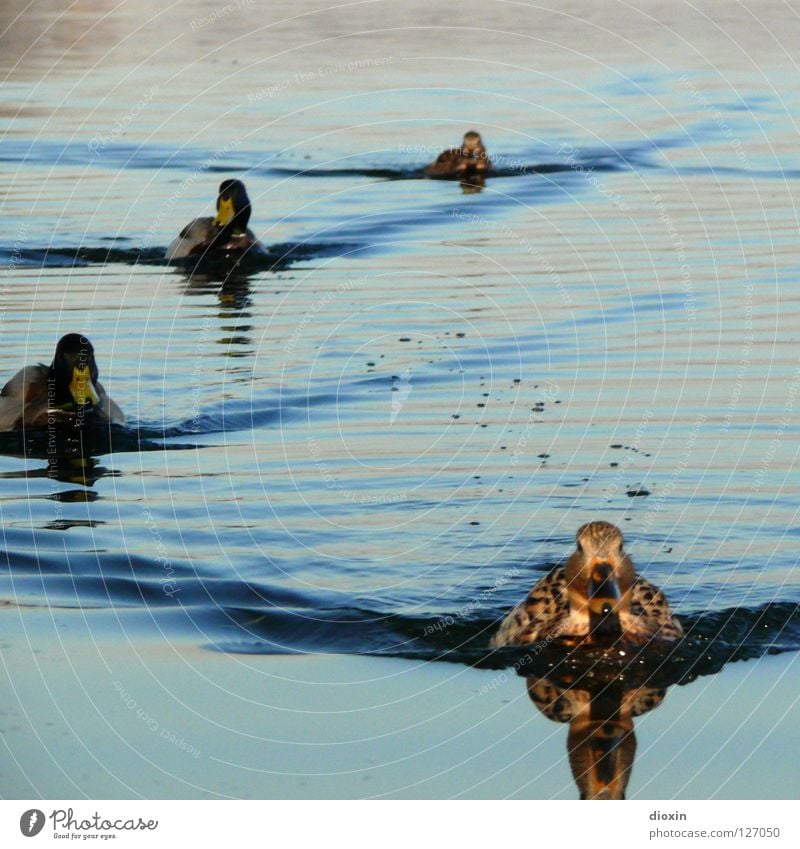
(377, 439)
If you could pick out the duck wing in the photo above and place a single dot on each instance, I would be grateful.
(25, 392)
(195, 237)
(556, 703)
(540, 613)
(448, 163)
(27, 380)
(645, 699)
(650, 613)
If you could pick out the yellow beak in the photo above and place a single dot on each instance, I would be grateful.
(82, 389)
(225, 212)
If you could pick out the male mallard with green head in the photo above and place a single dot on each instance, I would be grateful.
(225, 234)
(469, 160)
(597, 596)
(63, 393)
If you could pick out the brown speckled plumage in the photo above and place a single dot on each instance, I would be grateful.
(469, 160)
(559, 605)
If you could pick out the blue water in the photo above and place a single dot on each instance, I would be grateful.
(376, 439)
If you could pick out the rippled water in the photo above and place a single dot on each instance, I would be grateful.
(379, 437)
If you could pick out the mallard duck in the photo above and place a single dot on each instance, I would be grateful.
(222, 235)
(469, 160)
(597, 597)
(65, 392)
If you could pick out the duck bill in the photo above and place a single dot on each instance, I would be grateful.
(82, 389)
(604, 591)
(225, 212)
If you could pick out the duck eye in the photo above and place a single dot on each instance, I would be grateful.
(580, 547)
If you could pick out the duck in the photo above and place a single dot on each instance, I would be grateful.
(595, 598)
(63, 393)
(458, 163)
(226, 233)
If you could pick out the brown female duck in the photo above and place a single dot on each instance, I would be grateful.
(459, 163)
(597, 596)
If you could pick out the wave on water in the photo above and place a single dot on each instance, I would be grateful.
(513, 169)
(276, 257)
(712, 639)
(116, 155)
(259, 617)
(87, 441)
(249, 163)
(95, 440)
(119, 155)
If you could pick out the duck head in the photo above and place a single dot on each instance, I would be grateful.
(73, 374)
(472, 143)
(233, 209)
(599, 577)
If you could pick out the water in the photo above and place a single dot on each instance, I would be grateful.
(378, 438)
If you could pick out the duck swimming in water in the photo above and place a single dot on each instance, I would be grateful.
(459, 163)
(225, 234)
(66, 392)
(596, 597)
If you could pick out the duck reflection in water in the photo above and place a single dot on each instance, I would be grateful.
(232, 288)
(85, 471)
(601, 743)
(473, 184)
(234, 296)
